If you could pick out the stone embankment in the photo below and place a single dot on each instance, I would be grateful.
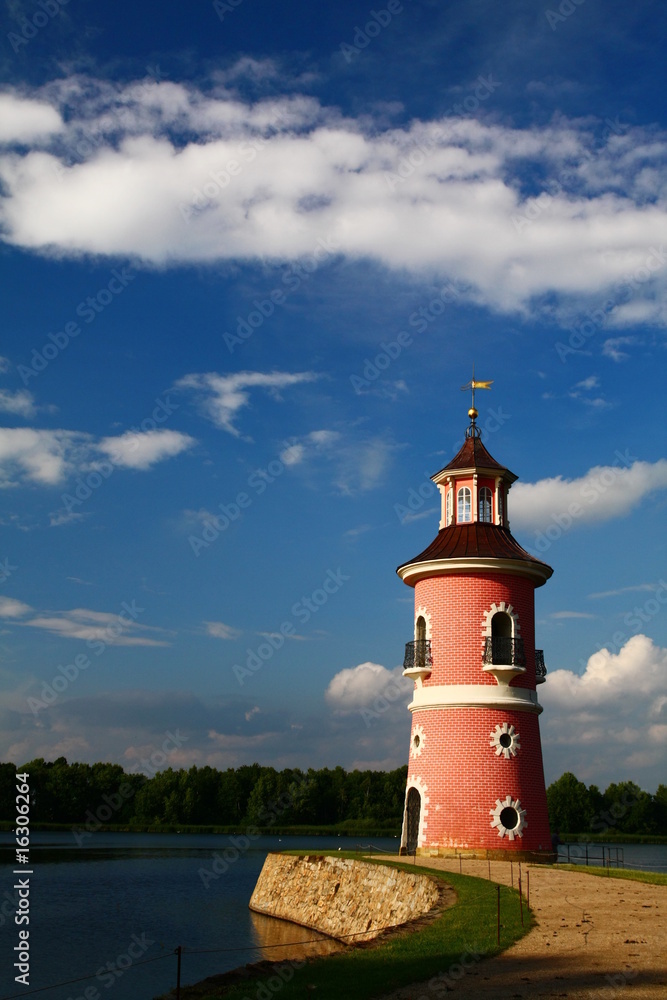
(349, 900)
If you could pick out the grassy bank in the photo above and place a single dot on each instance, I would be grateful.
(653, 878)
(455, 941)
(612, 837)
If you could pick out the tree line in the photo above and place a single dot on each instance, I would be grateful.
(255, 795)
(204, 796)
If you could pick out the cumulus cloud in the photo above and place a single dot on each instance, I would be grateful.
(21, 402)
(142, 449)
(360, 687)
(610, 720)
(606, 491)
(24, 120)
(222, 396)
(48, 457)
(176, 174)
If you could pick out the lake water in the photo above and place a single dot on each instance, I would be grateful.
(126, 899)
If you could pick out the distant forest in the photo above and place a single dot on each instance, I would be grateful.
(91, 795)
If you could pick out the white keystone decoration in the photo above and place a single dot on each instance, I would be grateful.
(513, 820)
(493, 610)
(505, 739)
(417, 743)
(426, 615)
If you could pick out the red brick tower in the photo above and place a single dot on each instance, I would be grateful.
(475, 775)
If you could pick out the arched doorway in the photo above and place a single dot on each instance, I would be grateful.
(413, 813)
(501, 634)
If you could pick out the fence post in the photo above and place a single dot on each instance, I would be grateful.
(520, 896)
(178, 972)
(528, 887)
(498, 894)
(512, 872)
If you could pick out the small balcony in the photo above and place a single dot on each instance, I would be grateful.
(504, 651)
(540, 667)
(504, 657)
(418, 661)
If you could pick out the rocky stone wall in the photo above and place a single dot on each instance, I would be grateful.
(347, 899)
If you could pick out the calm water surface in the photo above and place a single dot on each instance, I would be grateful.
(144, 894)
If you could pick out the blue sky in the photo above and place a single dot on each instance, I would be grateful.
(249, 256)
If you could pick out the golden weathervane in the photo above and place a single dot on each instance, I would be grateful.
(472, 385)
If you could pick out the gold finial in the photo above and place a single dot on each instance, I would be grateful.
(472, 412)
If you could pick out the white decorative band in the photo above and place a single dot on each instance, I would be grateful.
(413, 572)
(475, 696)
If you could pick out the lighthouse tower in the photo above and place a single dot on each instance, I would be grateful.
(475, 775)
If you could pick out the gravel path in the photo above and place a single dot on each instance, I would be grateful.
(595, 939)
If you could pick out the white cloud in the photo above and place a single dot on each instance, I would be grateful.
(42, 456)
(120, 629)
(218, 630)
(301, 172)
(23, 120)
(612, 348)
(21, 402)
(142, 449)
(48, 457)
(570, 614)
(222, 396)
(628, 590)
(609, 721)
(11, 608)
(606, 491)
(360, 687)
(309, 446)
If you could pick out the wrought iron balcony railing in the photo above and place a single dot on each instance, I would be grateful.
(418, 655)
(540, 666)
(504, 651)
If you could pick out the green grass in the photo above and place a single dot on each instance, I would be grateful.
(612, 836)
(465, 930)
(654, 878)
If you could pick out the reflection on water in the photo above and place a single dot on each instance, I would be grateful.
(281, 939)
